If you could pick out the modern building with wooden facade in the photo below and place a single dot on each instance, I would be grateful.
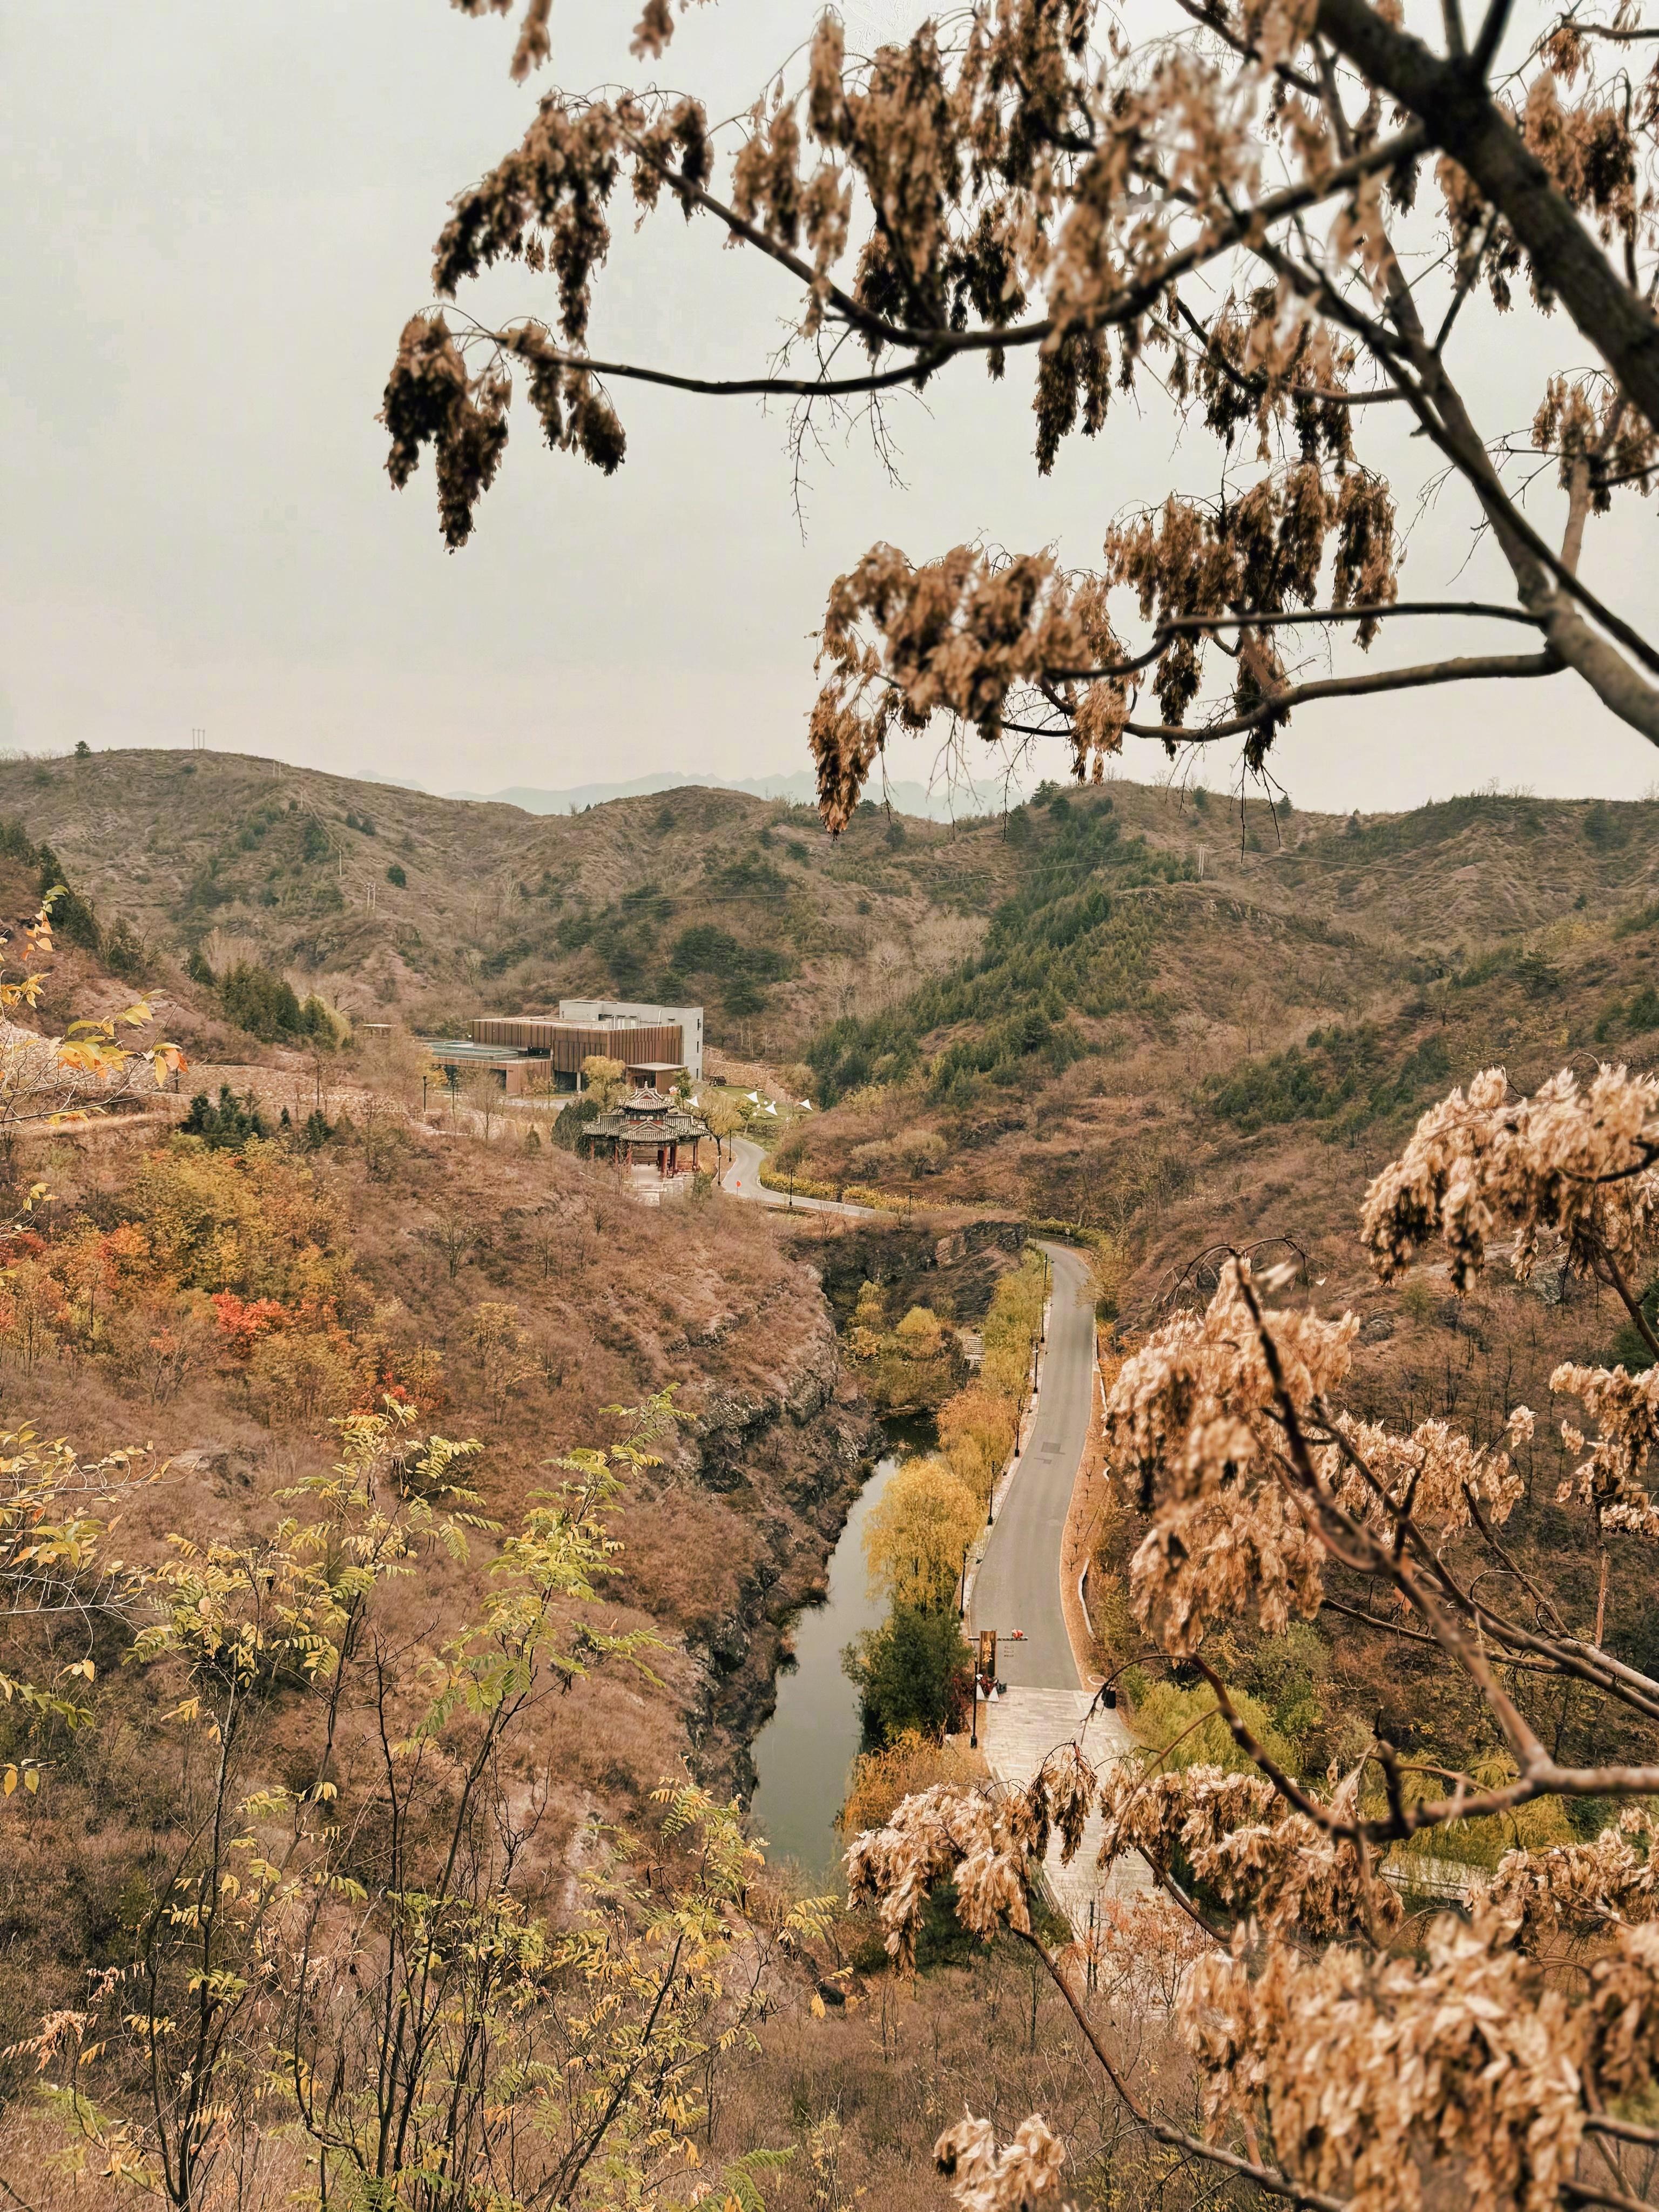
(625, 1014)
(546, 1051)
(648, 1040)
(647, 1129)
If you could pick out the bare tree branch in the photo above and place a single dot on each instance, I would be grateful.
(1461, 116)
(1471, 669)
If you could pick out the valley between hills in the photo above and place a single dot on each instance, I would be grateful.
(1152, 1023)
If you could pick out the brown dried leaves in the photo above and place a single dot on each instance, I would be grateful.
(1261, 1860)
(431, 400)
(1469, 2053)
(958, 636)
(1571, 1160)
(1367, 2072)
(1595, 432)
(949, 1832)
(1612, 1480)
(972, 633)
(987, 2176)
(1192, 1420)
(1577, 1889)
(1433, 1474)
(1363, 2062)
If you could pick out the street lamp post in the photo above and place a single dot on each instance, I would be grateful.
(962, 1609)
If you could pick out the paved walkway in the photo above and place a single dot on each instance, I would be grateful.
(1018, 1733)
(1017, 1586)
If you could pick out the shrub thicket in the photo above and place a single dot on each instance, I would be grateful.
(268, 1007)
(1065, 944)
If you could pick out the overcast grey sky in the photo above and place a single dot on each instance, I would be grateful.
(220, 218)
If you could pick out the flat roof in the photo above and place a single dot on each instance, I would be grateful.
(465, 1048)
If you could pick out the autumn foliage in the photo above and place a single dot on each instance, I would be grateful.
(228, 1262)
(1284, 219)
(1346, 2053)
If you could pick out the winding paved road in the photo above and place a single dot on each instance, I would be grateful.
(1018, 1585)
(742, 1180)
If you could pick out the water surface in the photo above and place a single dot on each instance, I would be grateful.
(802, 1754)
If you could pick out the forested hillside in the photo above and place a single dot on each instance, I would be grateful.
(1186, 1012)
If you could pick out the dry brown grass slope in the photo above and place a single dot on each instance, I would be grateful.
(740, 903)
(420, 1244)
(1300, 999)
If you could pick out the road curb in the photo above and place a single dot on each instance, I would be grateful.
(1090, 1487)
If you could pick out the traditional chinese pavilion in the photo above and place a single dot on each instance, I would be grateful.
(647, 1128)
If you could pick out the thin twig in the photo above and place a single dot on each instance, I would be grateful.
(1265, 2177)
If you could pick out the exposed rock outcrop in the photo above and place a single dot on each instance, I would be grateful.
(797, 1457)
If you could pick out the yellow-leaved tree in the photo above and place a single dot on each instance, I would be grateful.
(57, 1571)
(348, 1944)
(603, 1079)
(918, 1532)
(65, 1078)
(723, 1116)
(976, 1431)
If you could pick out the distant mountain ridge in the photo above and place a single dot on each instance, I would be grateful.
(905, 798)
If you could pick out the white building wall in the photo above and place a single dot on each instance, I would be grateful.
(625, 1013)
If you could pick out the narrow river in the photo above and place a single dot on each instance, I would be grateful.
(803, 1753)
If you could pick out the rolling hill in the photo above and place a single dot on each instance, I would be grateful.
(1188, 1020)
(902, 797)
(395, 903)
(1086, 1008)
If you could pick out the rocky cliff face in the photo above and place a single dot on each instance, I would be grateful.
(950, 1262)
(791, 1457)
(796, 1457)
